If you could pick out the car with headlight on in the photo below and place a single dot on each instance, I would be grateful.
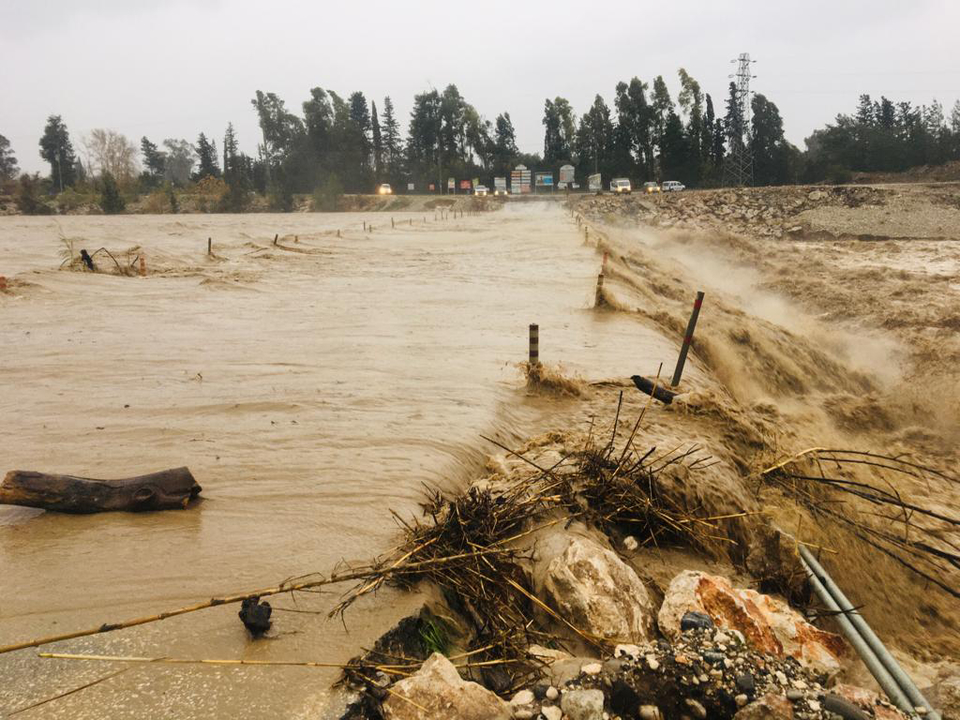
(673, 186)
(651, 187)
(620, 185)
(481, 190)
(385, 189)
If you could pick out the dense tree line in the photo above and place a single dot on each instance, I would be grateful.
(342, 144)
(884, 136)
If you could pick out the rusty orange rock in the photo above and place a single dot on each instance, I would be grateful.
(766, 621)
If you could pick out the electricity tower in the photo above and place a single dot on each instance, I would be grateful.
(738, 164)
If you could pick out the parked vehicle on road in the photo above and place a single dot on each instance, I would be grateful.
(673, 186)
(481, 190)
(651, 187)
(620, 185)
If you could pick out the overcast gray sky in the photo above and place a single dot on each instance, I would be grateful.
(175, 68)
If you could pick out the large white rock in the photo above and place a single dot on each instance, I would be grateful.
(592, 588)
(766, 621)
(436, 690)
(582, 704)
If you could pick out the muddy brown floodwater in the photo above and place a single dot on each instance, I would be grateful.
(310, 390)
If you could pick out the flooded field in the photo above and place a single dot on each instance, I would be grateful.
(310, 386)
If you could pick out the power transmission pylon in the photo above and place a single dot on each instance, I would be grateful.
(738, 164)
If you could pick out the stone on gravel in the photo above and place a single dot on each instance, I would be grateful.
(440, 692)
(524, 697)
(769, 707)
(767, 622)
(649, 712)
(583, 704)
(693, 620)
(592, 588)
(551, 712)
(865, 700)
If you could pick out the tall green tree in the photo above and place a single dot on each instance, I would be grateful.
(8, 162)
(595, 140)
(661, 108)
(505, 152)
(560, 131)
(690, 100)
(154, 160)
(423, 138)
(230, 149)
(208, 162)
(279, 128)
(377, 142)
(392, 143)
(56, 149)
(676, 152)
(774, 159)
(634, 117)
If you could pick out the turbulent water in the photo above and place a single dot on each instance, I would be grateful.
(311, 387)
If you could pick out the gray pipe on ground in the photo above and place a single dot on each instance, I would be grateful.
(914, 697)
(876, 668)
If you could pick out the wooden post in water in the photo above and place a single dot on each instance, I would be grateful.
(392, 226)
(598, 300)
(534, 344)
(687, 339)
(143, 264)
(209, 246)
(364, 225)
(338, 232)
(276, 238)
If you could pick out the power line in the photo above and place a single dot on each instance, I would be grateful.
(738, 164)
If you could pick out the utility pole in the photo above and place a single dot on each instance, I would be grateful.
(738, 165)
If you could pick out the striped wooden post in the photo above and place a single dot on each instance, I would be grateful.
(143, 264)
(687, 339)
(603, 268)
(534, 344)
(586, 234)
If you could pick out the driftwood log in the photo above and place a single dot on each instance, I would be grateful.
(650, 388)
(162, 490)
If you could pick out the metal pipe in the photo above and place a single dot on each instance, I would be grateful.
(876, 645)
(876, 668)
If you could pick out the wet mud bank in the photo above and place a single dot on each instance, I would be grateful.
(633, 521)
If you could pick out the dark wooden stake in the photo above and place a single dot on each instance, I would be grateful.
(687, 339)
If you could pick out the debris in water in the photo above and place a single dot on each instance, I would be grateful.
(255, 615)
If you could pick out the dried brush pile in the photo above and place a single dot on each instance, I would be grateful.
(859, 492)
(476, 549)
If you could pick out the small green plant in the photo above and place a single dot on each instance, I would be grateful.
(434, 637)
